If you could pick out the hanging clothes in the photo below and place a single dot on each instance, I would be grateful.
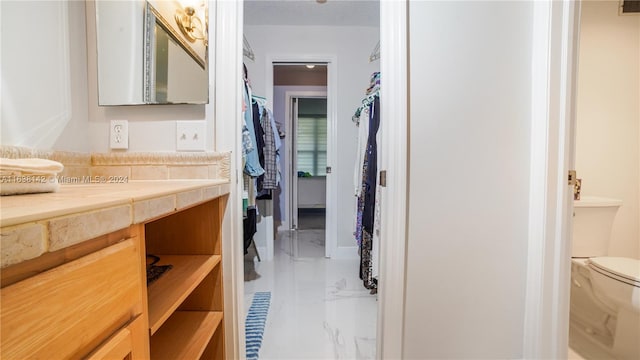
(271, 147)
(369, 198)
(360, 171)
(252, 162)
(269, 144)
(372, 168)
(367, 218)
(375, 243)
(261, 144)
(259, 133)
(363, 134)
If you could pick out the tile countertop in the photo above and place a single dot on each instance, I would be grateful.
(82, 198)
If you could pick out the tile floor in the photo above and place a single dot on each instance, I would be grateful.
(319, 308)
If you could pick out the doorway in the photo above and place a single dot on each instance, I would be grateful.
(308, 173)
(318, 305)
(300, 99)
(309, 162)
(308, 81)
(607, 159)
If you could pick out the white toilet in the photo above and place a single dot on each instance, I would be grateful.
(605, 291)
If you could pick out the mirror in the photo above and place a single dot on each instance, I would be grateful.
(152, 52)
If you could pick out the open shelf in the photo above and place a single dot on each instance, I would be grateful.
(173, 287)
(185, 335)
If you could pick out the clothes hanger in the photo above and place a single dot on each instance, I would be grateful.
(375, 54)
(365, 102)
(262, 101)
(247, 51)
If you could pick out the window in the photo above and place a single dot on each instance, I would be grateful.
(311, 136)
(312, 145)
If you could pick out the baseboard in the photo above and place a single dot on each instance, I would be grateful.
(345, 253)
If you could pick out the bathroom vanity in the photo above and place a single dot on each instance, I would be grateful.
(74, 271)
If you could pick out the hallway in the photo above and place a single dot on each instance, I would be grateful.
(319, 308)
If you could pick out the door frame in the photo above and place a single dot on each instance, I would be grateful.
(331, 231)
(546, 310)
(292, 200)
(228, 101)
(394, 105)
(556, 28)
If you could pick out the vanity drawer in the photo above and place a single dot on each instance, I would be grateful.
(119, 346)
(127, 343)
(71, 309)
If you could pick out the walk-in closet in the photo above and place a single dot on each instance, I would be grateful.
(312, 83)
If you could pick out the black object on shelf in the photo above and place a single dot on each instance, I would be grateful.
(154, 272)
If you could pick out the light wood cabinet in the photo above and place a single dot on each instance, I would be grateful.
(71, 309)
(92, 300)
(186, 304)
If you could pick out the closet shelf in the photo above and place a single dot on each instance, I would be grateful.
(185, 335)
(170, 290)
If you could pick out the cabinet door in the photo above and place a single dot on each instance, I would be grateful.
(71, 309)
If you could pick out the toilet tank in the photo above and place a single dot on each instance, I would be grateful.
(592, 225)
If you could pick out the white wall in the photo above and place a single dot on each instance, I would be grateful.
(607, 150)
(351, 46)
(470, 94)
(74, 136)
(49, 102)
(312, 192)
(44, 75)
(151, 127)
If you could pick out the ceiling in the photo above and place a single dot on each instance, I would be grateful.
(310, 12)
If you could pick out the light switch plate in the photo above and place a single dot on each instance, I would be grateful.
(119, 134)
(190, 135)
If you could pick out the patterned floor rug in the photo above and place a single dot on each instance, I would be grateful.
(254, 325)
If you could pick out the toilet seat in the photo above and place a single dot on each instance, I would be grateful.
(625, 270)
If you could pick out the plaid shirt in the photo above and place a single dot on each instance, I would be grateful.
(270, 166)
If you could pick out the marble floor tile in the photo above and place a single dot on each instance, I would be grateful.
(319, 307)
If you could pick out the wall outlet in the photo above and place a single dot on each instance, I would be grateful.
(190, 135)
(119, 134)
